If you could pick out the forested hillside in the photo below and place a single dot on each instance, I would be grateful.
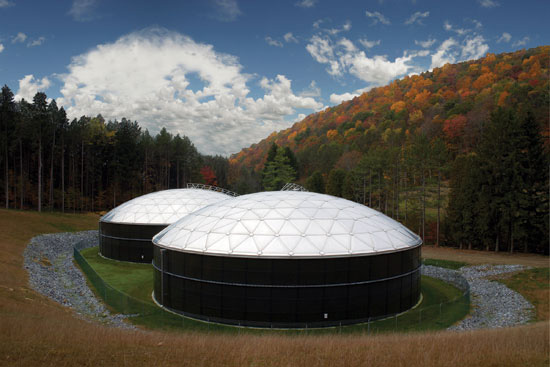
(405, 149)
(89, 164)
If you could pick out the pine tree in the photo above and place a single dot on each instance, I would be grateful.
(278, 172)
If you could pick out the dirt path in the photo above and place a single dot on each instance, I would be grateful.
(482, 257)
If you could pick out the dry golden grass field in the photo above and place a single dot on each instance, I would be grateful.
(35, 331)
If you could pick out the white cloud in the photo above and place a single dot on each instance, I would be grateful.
(506, 37)
(444, 54)
(83, 10)
(449, 27)
(272, 42)
(317, 23)
(162, 78)
(345, 27)
(368, 44)
(474, 48)
(339, 98)
(426, 44)
(28, 87)
(451, 51)
(37, 42)
(306, 3)
(342, 56)
(19, 38)
(289, 37)
(377, 17)
(227, 10)
(417, 17)
(312, 91)
(476, 23)
(488, 3)
(6, 4)
(521, 42)
(1, 48)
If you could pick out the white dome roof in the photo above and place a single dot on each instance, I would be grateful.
(162, 207)
(286, 223)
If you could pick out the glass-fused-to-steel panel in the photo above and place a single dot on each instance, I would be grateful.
(127, 242)
(287, 292)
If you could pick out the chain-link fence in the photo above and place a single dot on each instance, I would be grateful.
(435, 316)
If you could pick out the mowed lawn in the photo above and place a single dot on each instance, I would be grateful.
(35, 331)
(441, 306)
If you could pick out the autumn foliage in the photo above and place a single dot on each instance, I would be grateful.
(450, 102)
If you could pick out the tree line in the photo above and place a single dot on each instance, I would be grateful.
(89, 164)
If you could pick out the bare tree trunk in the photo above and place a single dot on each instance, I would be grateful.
(423, 205)
(21, 172)
(438, 204)
(51, 173)
(62, 174)
(406, 195)
(82, 174)
(496, 244)
(380, 191)
(511, 240)
(398, 191)
(7, 176)
(370, 187)
(40, 174)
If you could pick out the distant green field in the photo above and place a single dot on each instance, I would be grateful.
(135, 281)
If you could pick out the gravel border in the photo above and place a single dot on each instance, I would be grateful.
(52, 273)
(49, 260)
(493, 304)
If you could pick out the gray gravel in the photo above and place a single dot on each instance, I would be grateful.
(493, 304)
(49, 261)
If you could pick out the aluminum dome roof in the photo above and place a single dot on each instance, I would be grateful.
(162, 207)
(286, 223)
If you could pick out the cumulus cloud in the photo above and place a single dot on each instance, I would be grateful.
(289, 37)
(37, 42)
(6, 4)
(83, 10)
(306, 3)
(521, 42)
(506, 37)
(451, 50)
(1, 48)
(19, 38)
(312, 91)
(488, 3)
(426, 44)
(227, 10)
(417, 17)
(444, 53)
(343, 57)
(377, 18)
(474, 48)
(368, 44)
(163, 78)
(273, 42)
(29, 86)
(339, 98)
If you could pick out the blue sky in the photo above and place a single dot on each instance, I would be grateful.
(227, 73)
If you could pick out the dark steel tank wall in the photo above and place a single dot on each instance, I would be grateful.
(127, 242)
(287, 292)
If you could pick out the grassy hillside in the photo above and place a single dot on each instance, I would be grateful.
(35, 331)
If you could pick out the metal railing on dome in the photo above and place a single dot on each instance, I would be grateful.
(437, 316)
(290, 186)
(211, 188)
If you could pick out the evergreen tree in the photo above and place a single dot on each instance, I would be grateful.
(278, 172)
(335, 182)
(316, 183)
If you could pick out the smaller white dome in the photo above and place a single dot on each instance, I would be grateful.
(162, 207)
(287, 224)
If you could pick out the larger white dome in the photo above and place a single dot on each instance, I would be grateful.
(162, 207)
(286, 224)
